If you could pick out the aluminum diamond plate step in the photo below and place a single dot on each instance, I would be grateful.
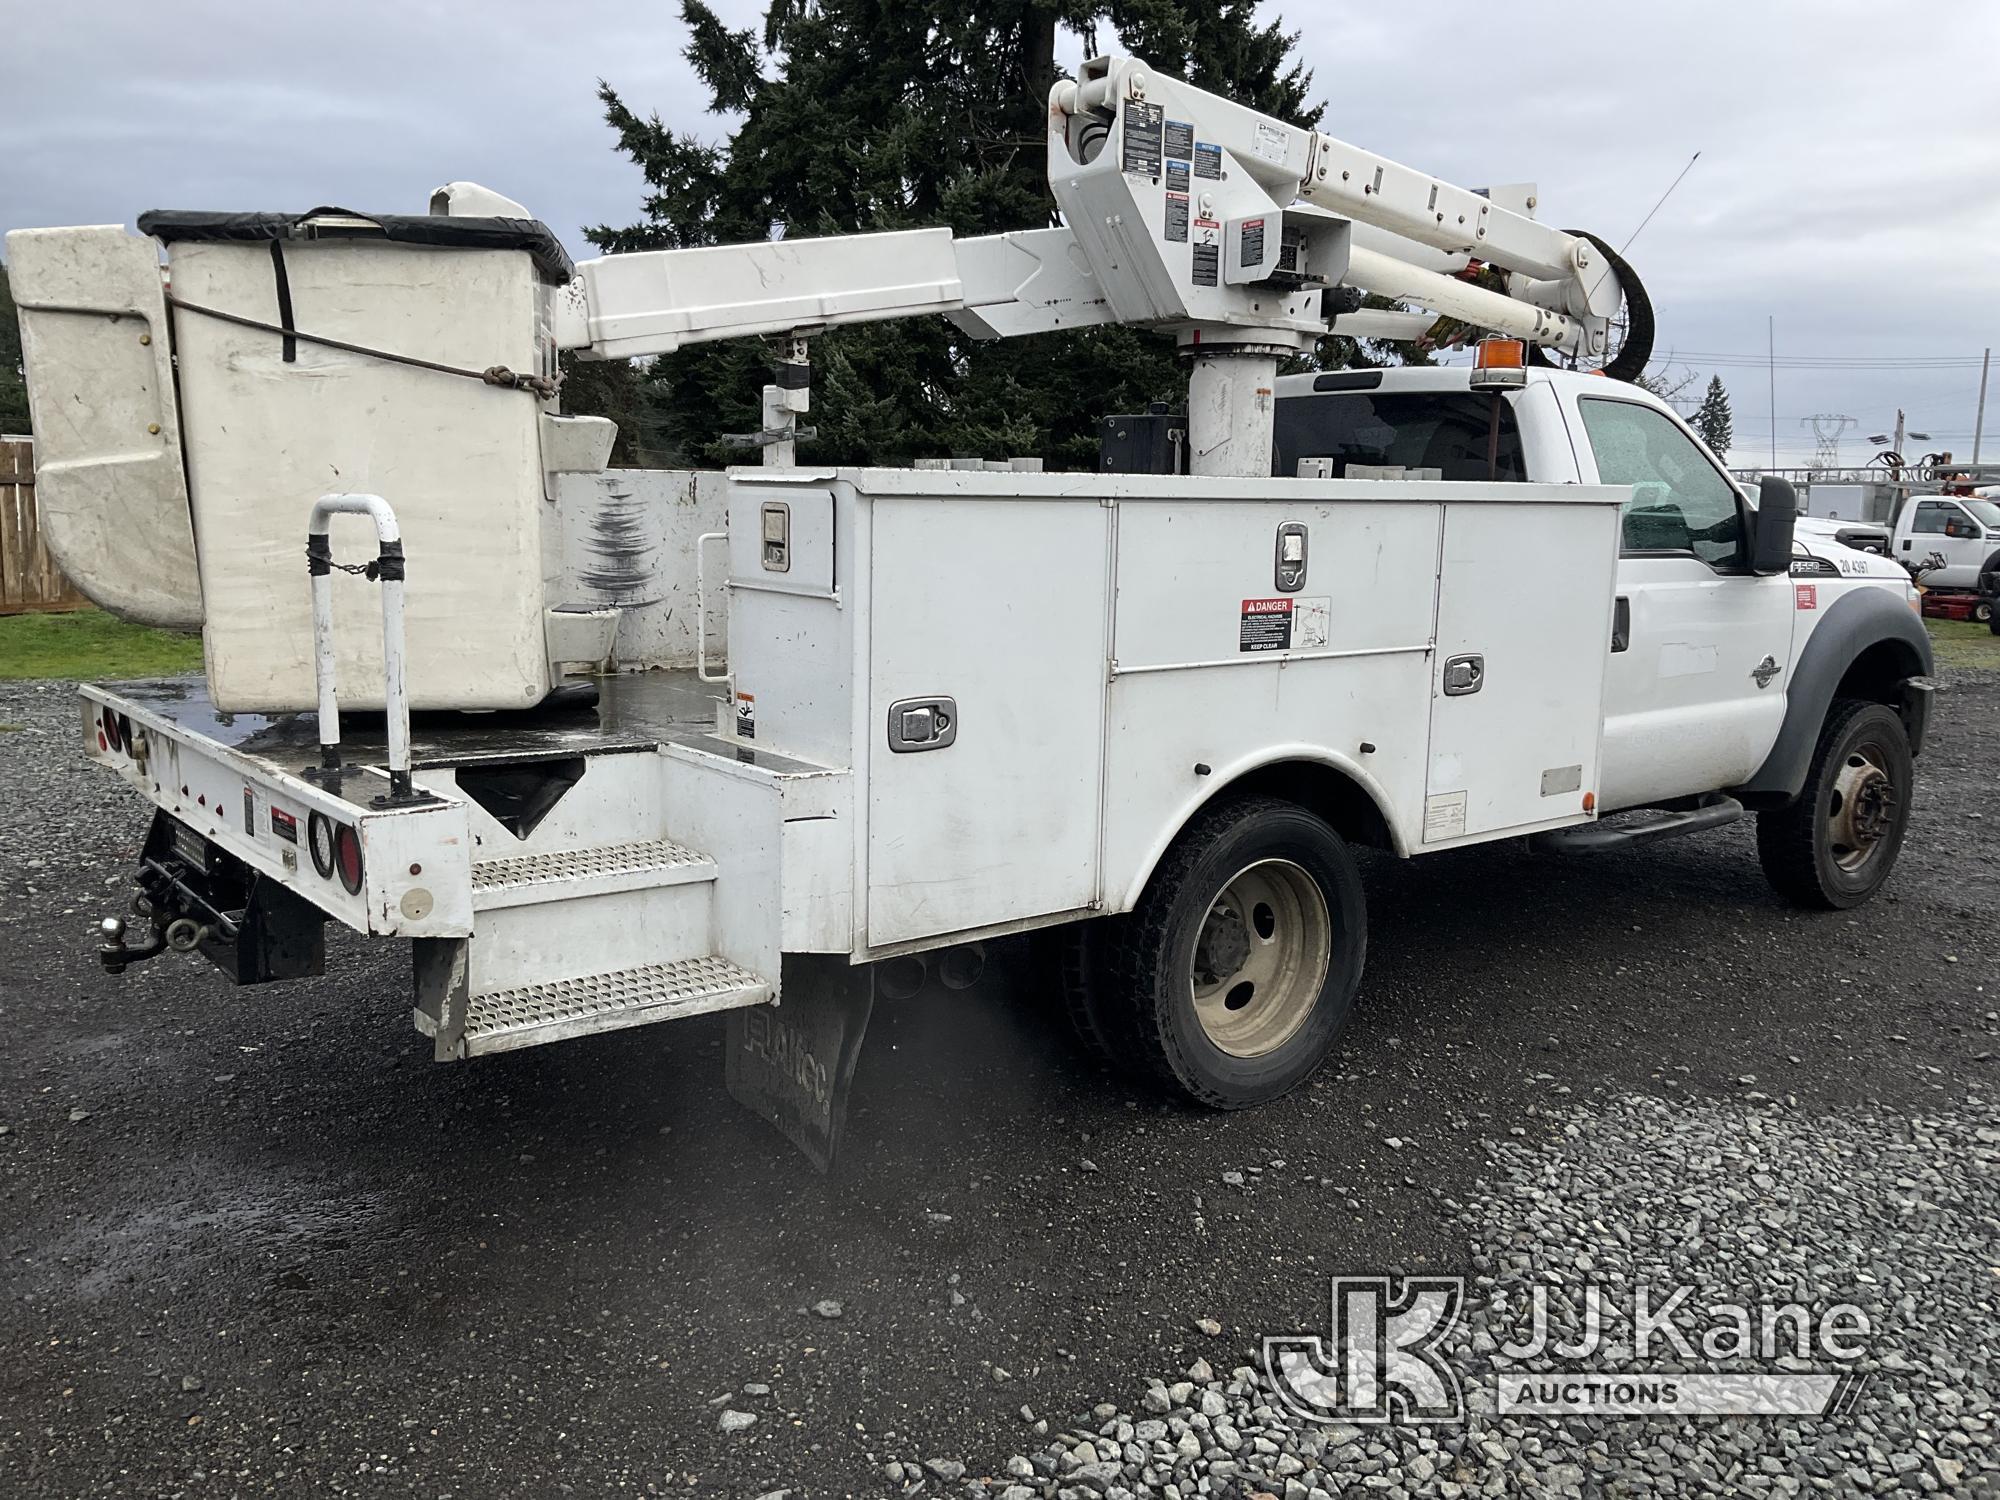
(550, 1012)
(526, 879)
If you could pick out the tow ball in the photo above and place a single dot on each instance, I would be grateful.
(117, 955)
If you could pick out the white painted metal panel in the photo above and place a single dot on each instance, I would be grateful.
(1233, 720)
(458, 459)
(1001, 606)
(109, 484)
(807, 516)
(1185, 573)
(1527, 590)
(625, 540)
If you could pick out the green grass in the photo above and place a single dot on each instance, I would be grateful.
(91, 645)
(1961, 643)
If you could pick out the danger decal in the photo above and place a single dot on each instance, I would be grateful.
(1265, 625)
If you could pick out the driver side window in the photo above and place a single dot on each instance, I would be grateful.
(1680, 502)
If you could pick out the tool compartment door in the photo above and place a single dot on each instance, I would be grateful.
(1517, 682)
(997, 606)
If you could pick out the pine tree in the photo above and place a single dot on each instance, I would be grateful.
(1711, 420)
(13, 389)
(860, 115)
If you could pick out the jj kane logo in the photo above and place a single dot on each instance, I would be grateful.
(1631, 1351)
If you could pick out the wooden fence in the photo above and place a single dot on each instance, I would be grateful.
(29, 577)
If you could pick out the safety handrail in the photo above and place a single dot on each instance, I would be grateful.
(701, 608)
(388, 570)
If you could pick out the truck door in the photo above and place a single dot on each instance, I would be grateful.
(1700, 650)
(1945, 528)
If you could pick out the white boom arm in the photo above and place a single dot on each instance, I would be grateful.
(1183, 212)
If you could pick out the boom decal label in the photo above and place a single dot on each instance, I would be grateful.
(1265, 625)
(746, 716)
(1180, 140)
(1207, 263)
(1177, 176)
(1250, 247)
(1143, 126)
(1177, 217)
(1207, 159)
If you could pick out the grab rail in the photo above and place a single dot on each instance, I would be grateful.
(387, 569)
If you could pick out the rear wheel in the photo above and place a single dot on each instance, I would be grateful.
(1833, 847)
(1232, 979)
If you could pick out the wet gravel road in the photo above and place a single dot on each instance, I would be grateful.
(254, 1242)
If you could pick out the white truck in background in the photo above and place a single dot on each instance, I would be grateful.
(1157, 710)
(1951, 541)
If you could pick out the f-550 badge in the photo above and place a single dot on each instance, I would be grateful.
(1764, 671)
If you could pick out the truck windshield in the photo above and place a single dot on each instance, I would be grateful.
(1450, 431)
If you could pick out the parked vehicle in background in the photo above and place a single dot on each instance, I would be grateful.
(1862, 536)
(1962, 529)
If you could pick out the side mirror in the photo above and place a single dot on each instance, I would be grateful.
(1770, 540)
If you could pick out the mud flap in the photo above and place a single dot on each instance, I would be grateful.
(792, 1062)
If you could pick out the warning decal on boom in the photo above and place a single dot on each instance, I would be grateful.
(1143, 127)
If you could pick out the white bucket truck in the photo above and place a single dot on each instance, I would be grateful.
(1412, 610)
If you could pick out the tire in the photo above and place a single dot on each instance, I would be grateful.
(1982, 612)
(1232, 979)
(1832, 848)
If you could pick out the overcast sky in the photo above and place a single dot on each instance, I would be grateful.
(1848, 187)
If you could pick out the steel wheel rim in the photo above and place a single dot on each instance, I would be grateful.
(1261, 958)
(1861, 812)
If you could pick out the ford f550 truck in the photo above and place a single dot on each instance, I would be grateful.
(903, 712)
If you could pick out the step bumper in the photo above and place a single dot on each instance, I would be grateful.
(563, 1008)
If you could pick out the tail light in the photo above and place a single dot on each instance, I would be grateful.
(108, 723)
(347, 857)
(319, 839)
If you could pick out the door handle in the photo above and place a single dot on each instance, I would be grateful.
(1621, 624)
(1464, 674)
(922, 724)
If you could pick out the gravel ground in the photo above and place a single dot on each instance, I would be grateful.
(1898, 1217)
(253, 1242)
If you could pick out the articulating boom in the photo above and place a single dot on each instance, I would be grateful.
(1181, 211)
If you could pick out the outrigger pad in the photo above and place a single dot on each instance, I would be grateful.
(792, 1062)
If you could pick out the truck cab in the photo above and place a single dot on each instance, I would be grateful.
(1716, 672)
(1961, 530)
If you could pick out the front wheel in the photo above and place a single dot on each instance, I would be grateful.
(1232, 979)
(1832, 848)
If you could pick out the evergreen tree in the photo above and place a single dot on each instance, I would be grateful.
(1711, 420)
(13, 389)
(862, 115)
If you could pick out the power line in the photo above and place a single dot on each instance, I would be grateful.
(1825, 361)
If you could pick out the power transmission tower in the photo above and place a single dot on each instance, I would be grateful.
(1827, 428)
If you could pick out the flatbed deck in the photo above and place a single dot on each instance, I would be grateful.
(634, 712)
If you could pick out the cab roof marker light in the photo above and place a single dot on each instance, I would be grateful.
(1499, 364)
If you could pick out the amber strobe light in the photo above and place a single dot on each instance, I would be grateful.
(1499, 364)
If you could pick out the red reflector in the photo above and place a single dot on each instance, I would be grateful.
(110, 730)
(347, 857)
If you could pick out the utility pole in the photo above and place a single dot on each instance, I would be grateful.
(1771, 346)
(1897, 445)
(1979, 422)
